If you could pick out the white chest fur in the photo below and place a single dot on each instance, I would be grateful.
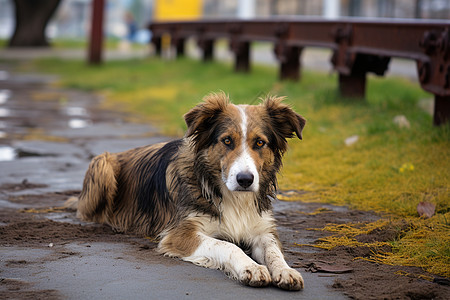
(240, 219)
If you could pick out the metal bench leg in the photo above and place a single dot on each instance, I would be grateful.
(242, 56)
(441, 110)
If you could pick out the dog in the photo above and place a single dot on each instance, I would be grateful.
(206, 197)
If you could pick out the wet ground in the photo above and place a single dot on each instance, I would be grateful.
(48, 136)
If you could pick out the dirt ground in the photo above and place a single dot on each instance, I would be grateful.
(357, 279)
(46, 172)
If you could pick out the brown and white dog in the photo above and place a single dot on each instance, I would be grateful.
(207, 196)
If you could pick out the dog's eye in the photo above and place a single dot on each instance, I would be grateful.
(227, 141)
(260, 143)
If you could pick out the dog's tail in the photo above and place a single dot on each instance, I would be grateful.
(96, 202)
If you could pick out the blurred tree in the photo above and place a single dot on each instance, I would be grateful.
(32, 17)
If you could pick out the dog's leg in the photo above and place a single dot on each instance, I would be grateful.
(266, 250)
(217, 254)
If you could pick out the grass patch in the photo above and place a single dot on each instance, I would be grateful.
(80, 43)
(388, 169)
(415, 242)
(110, 43)
(3, 43)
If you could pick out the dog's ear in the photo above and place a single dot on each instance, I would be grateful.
(201, 120)
(284, 121)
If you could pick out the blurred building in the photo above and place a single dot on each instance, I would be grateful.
(426, 9)
(177, 9)
(6, 18)
(72, 19)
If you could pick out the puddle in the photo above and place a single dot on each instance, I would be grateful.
(7, 204)
(64, 217)
(79, 123)
(7, 153)
(4, 75)
(4, 112)
(76, 111)
(4, 96)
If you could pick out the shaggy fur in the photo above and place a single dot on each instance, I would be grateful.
(206, 193)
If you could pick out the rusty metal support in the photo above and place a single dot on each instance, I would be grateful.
(287, 55)
(96, 38)
(353, 84)
(178, 43)
(207, 46)
(289, 58)
(441, 110)
(290, 67)
(359, 47)
(241, 50)
(157, 43)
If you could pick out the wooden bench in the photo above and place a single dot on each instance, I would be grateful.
(358, 47)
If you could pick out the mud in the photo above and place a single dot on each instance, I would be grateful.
(47, 253)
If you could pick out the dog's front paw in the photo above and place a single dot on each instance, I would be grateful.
(255, 275)
(288, 279)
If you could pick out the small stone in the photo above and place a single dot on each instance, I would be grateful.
(351, 140)
(402, 122)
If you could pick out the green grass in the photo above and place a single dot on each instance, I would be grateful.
(368, 175)
(73, 43)
(61, 43)
(78, 43)
(3, 43)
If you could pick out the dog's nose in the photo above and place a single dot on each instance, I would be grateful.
(245, 179)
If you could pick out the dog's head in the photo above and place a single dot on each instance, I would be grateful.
(244, 143)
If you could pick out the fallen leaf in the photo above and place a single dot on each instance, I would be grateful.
(426, 209)
(327, 268)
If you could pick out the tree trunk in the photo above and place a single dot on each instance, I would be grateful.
(32, 17)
